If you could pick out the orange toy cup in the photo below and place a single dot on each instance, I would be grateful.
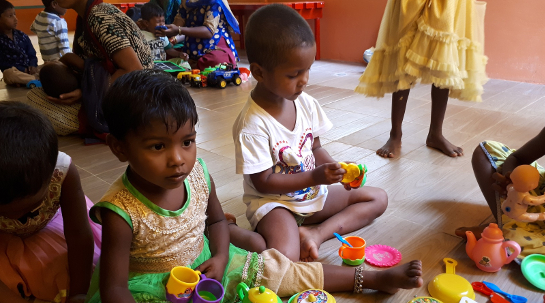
(353, 255)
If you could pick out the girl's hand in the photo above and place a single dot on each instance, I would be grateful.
(68, 98)
(328, 173)
(184, 56)
(32, 70)
(172, 30)
(501, 183)
(214, 267)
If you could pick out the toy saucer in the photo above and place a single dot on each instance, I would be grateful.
(533, 269)
(382, 255)
(425, 300)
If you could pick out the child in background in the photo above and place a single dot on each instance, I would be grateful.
(437, 42)
(164, 212)
(493, 162)
(52, 31)
(153, 16)
(44, 253)
(286, 171)
(18, 61)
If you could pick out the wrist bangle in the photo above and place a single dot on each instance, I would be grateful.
(179, 30)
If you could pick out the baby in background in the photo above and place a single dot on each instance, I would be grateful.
(52, 31)
(292, 204)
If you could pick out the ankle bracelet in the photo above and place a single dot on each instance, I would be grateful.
(358, 280)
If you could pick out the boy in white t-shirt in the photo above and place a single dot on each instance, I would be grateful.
(153, 16)
(287, 174)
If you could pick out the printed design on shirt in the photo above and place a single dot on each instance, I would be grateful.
(157, 48)
(290, 161)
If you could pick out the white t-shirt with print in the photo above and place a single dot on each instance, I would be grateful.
(261, 142)
(157, 46)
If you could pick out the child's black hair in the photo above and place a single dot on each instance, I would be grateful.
(58, 79)
(5, 5)
(28, 153)
(47, 3)
(271, 31)
(139, 97)
(150, 10)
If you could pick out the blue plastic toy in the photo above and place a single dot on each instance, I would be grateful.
(34, 83)
(158, 27)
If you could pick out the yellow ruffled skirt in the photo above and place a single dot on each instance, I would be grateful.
(434, 41)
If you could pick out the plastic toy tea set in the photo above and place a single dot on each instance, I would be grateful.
(489, 254)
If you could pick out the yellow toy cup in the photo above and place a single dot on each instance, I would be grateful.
(354, 255)
(182, 281)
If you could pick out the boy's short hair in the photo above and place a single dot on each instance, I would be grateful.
(150, 10)
(5, 5)
(58, 79)
(28, 153)
(271, 31)
(139, 97)
(47, 3)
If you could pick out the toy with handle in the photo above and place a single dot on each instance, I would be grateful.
(494, 297)
(342, 239)
(489, 253)
(449, 287)
(524, 178)
(208, 291)
(512, 298)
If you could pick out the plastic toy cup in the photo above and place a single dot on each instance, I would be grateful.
(181, 283)
(354, 255)
(208, 291)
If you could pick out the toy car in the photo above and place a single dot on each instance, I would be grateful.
(34, 83)
(184, 76)
(195, 78)
(224, 74)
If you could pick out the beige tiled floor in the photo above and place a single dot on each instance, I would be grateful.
(430, 194)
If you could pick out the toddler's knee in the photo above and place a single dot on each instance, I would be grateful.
(381, 199)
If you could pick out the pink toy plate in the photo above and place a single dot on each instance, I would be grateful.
(382, 255)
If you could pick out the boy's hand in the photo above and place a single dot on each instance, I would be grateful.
(31, 70)
(214, 267)
(328, 173)
(501, 183)
(184, 56)
(68, 98)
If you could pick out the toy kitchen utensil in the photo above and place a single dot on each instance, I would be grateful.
(449, 287)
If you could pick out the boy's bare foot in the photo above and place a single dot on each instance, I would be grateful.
(310, 243)
(406, 276)
(391, 149)
(476, 230)
(441, 143)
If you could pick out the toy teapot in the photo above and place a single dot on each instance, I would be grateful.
(259, 294)
(489, 252)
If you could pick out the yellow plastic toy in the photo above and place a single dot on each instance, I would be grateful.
(356, 174)
(312, 296)
(449, 287)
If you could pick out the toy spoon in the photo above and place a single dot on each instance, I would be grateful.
(342, 239)
(494, 297)
(512, 298)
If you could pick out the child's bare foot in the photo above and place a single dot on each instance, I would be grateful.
(310, 243)
(231, 219)
(476, 230)
(441, 143)
(391, 149)
(406, 276)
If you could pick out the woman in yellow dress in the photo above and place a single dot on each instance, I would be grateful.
(438, 42)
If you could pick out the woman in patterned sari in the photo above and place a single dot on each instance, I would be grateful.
(107, 44)
(207, 26)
